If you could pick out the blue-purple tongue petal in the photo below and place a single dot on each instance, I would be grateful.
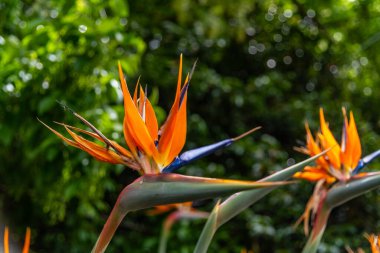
(194, 154)
(366, 160)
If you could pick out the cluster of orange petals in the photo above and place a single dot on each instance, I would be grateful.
(341, 160)
(26, 242)
(374, 240)
(141, 129)
(150, 149)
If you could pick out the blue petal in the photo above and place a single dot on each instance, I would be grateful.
(194, 154)
(366, 160)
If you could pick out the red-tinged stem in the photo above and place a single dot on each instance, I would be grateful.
(109, 229)
(168, 223)
(317, 232)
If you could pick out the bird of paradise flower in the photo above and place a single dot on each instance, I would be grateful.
(154, 153)
(339, 167)
(25, 248)
(373, 239)
(152, 150)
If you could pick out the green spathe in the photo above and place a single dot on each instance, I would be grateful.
(151, 190)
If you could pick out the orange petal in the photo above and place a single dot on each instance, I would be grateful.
(314, 174)
(68, 141)
(176, 98)
(351, 147)
(138, 130)
(314, 148)
(179, 133)
(95, 150)
(161, 209)
(346, 148)
(179, 80)
(96, 136)
(150, 117)
(374, 241)
(142, 101)
(27, 241)
(119, 148)
(354, 142)
(166, 131)
(135, 93)
(128, 138)
(328, 141)
(6, 240)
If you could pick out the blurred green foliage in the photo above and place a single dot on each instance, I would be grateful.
(268, 63)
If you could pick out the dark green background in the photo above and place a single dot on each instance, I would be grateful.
(267, 63)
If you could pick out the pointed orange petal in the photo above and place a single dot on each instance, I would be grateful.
(314, 148)
(314, 174)
(346, 148)
(6, 240)
(148, 115)
(150, 118)
(171, 126)
(135, 93)
(328, 141)
(27, 241)
(138, 130)
(68, 141)
(179, 133)
(128, 138)
(311, 144)
(179, 81)
(175, 105)
(142, 104)
(95, 150)
(121, 149)
(167, 129)
(93, 135)
(354, 142)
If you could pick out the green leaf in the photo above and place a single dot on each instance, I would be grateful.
(208, 231)
(238, 202)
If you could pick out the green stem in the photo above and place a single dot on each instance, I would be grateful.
(163, 241)
(208, 231)
(109, 229)
(166, 231)
(318, 230)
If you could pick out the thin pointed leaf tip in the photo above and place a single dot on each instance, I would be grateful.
(151, 150)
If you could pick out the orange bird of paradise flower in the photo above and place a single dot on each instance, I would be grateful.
(373, 239)
(152, 150)
(26, 241)
(340, 164)
(341, 161)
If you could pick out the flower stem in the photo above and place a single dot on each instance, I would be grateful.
(317, 232)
